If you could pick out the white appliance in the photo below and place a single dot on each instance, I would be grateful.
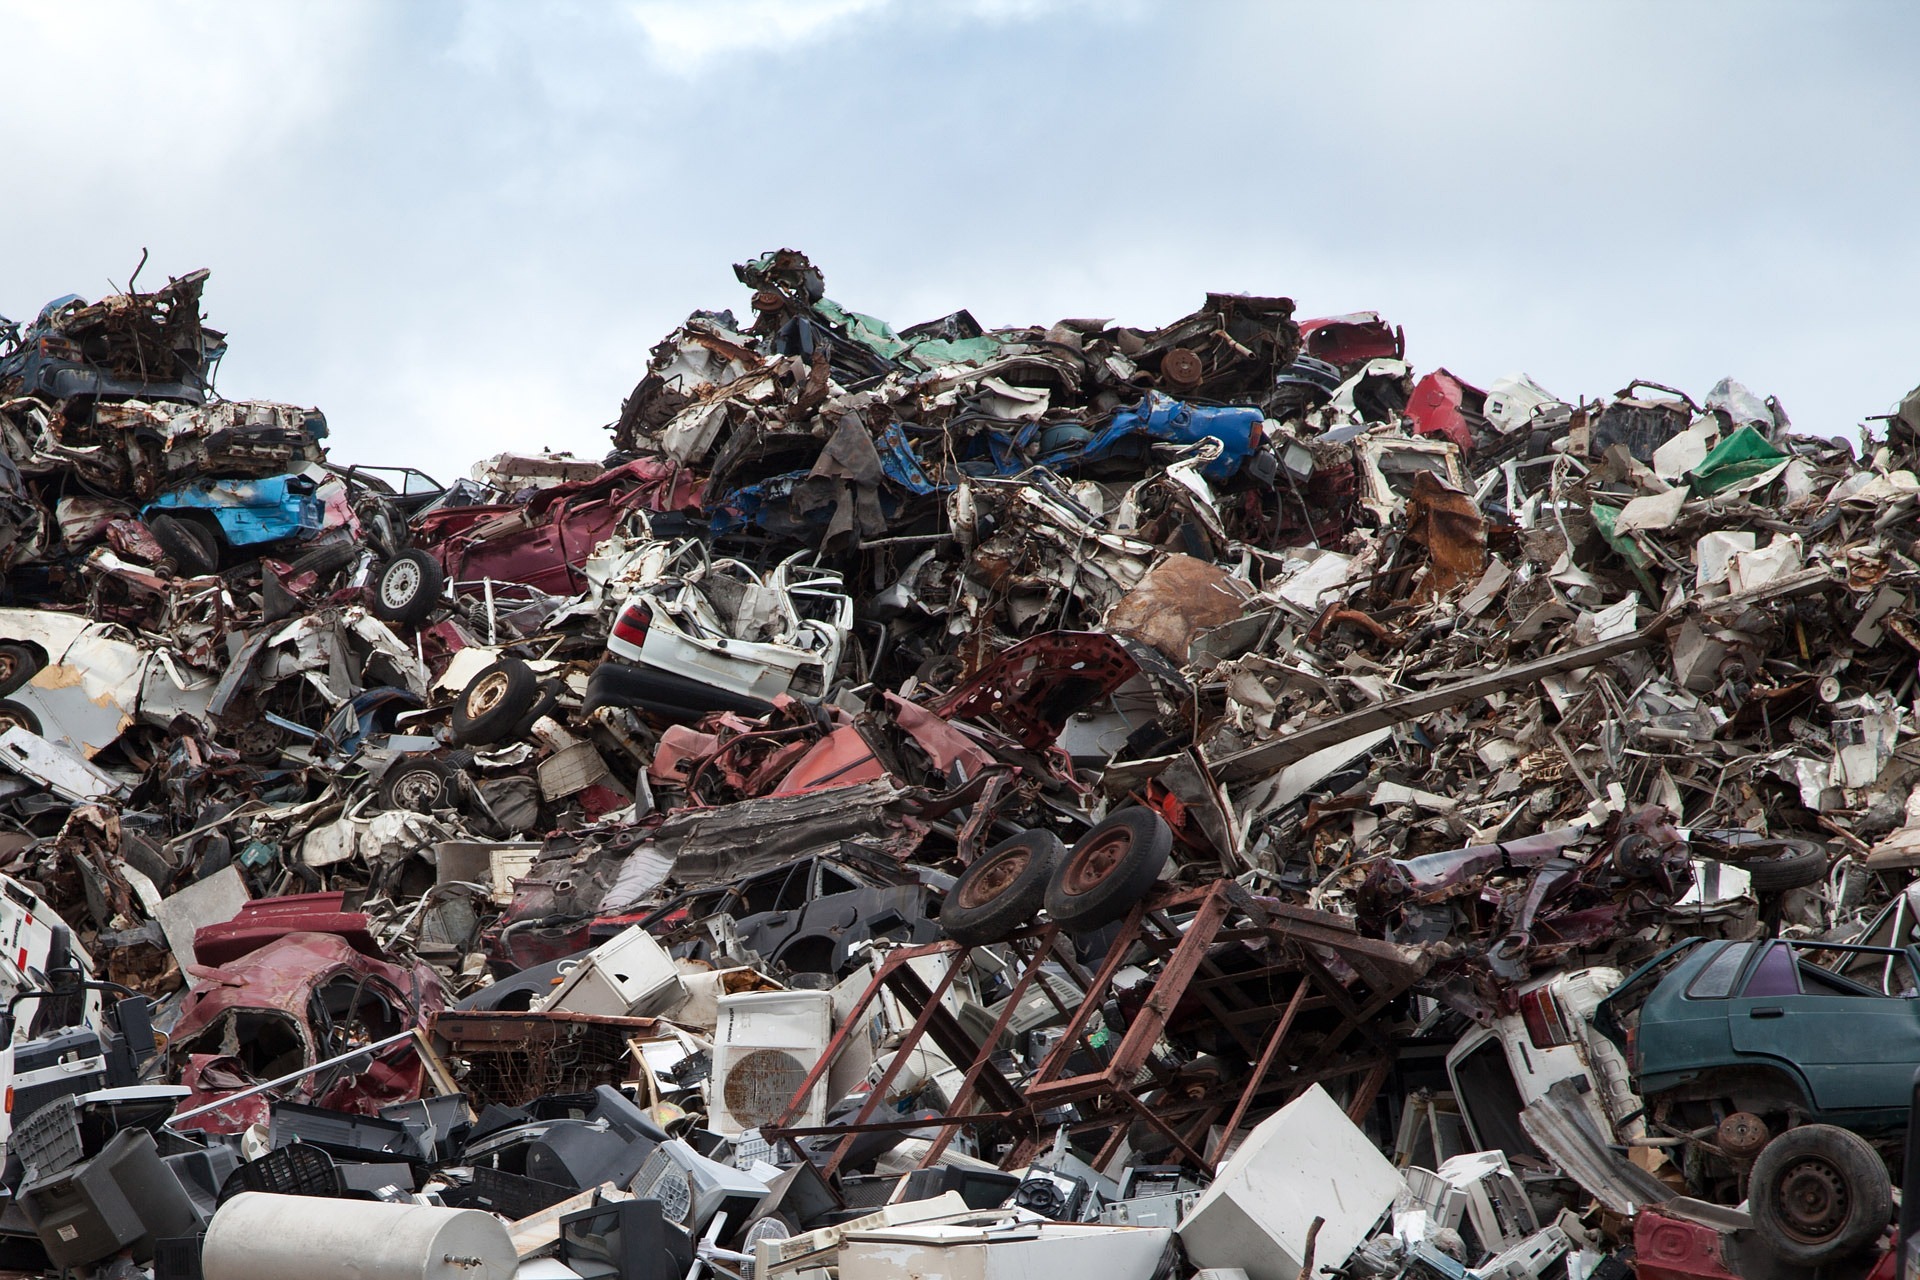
(1306, 1159)
(630, 975)
(764, 1045)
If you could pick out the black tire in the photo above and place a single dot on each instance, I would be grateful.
(1002, 890)
(1774, 866)
(326, 561)
(418, 785)
(194, 548)
(546, 705)
(1109, 869)
(494, 702)
(407, 588)
(1819, 1193)
(12, 714)
(18, 664)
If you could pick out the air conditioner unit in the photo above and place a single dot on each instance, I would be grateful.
(630, 975)
(764, 1046)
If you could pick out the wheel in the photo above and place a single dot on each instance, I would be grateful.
(546, 705)
(18, 664)
(418, 785)
(194, 548)
(1002, 890)
(1110, 869)
(258, 741)
(1819, 1193)
(326, 561)
(408, 588)
(13, 715)
(494, 702)
(1775, 866)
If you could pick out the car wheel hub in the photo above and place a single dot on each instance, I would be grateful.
(1813, 1200)
(422, 788)
(1096, 862)
(8, 720)
(259, 736)
(487, 695)
(995, 877)
(400, 582)
(9, 666)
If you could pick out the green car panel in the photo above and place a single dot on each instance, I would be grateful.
(1841, 1022)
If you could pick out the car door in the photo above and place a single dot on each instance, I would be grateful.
(1856, 1047)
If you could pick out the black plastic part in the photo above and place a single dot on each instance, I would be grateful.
(178, 1257)
(337, 1133)
(632, 1237)
(508, 1194)
(980, 1188)
(662, 693)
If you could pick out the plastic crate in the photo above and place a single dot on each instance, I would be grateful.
(178, 1257)
(48, 1141)
(510, 1195)
(298, 1170)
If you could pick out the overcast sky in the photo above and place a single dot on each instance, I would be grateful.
(457, 228)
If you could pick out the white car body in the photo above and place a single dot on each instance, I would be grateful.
(724, 625)
(96, 683)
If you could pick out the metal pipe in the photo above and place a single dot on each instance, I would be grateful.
(301, 1074)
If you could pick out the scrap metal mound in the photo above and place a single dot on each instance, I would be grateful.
(1044, 778)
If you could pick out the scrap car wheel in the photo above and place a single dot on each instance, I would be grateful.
(259, 742)
(15, 716)
(1002, 890)
(419, 785)
(17, 666)
(1109, 870)
(1819, 1193)
(408, 588)
(1774, 866)
(494, 702)
(194, 548)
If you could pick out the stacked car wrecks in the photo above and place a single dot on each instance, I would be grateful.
(1207, 799)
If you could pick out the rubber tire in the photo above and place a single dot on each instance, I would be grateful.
(18, 664)
(503, 693)
(195, 550)
(12, 713)
(418, 606)
(1081, 902)
(1799, 863)
(326, 561)
(545, 705)
(392, 782)
(1842, 1152)
(1009, 885)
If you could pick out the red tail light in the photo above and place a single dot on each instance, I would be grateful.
(632, 623)
(1546, 1023)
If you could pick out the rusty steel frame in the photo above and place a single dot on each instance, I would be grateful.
(1109, 1099)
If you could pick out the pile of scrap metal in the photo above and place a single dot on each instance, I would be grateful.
(1214, 796)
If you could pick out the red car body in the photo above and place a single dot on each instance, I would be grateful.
(543, 542)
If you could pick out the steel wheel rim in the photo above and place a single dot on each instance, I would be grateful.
(1091, 866)
(419, 786)
(1813, 1200)
(488, 694)
(996, 875)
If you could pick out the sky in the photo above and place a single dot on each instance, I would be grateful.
(457, 228)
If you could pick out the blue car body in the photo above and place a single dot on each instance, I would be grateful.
(251, 512)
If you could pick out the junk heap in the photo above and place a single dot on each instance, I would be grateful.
(1216, 796)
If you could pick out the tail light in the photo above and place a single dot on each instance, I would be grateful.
(1545, 1021)
(632, 623)
(1633, 1048)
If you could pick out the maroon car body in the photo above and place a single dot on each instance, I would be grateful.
(297, 1000)
(543, 542)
